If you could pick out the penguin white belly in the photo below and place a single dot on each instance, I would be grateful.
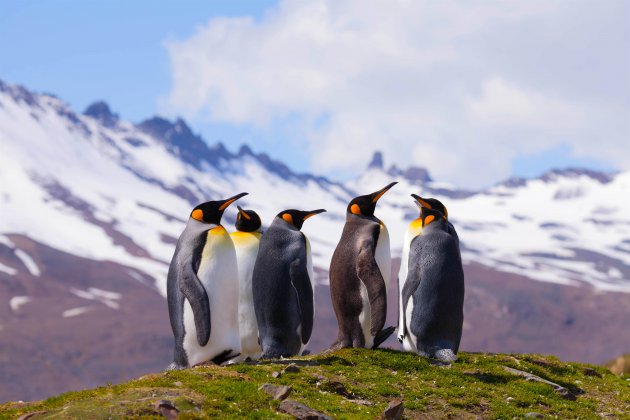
(365, 317)
(410, 340)
(311, 276)
(246, 245)
(383, 259)
(219, 276)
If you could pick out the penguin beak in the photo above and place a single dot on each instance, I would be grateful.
(242, 212)
(230, 200)
(420, 202)
(313, 213)
(378, 194)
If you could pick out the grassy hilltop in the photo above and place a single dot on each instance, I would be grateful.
(358, 383)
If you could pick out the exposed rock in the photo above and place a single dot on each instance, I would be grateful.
(276, 374)
(377, 161)
(564, 393)
(333, 386)
(167, 409)
(591, 372)
(394, 410)
(33, 414)
(301, 411)
(533, 415)
(276, 392)
(101, 112)
(291, 368)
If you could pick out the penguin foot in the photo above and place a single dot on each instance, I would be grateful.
(445, 355)
(383, 335)
(175, 366)
(340, 344)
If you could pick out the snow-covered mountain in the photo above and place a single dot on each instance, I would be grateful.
(106, 189)
(91, 207)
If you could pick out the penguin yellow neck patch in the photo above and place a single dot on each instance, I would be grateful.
(287, 218)
(218, 230)
(355, 209)
(428, 219)
(197, 214)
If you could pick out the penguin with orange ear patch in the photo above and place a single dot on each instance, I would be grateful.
(282, 286)
(202, 289)
(414, 229)
(433, 293)
(360, 271)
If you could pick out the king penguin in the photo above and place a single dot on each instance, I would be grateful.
(246, 241)
(282, 286)
(202, 289)
(433, 294)
(360, 271)
(414, 229)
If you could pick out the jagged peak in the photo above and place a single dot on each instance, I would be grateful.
(555, 174)
(377, 160)
(413, 174)
(573, 172)
(101, 111)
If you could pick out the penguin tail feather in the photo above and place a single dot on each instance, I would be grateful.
(446, 355)
(224, 357)
(382, 335)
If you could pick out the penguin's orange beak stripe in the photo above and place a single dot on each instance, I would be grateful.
(313, 213)
(383, 191)
(245, 215)
(226, 204)
(424, 203)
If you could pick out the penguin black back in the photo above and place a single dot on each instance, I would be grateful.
(435, 289)
(282, 289)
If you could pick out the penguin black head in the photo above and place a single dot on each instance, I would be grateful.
(297, 217)
(429, 216)
(431, 203)
(212, 211)
(247, 220)
(364, 205)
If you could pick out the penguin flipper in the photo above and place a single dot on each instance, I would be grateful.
(193, 290)
(302, 285)
(412, 283)
(369, 273)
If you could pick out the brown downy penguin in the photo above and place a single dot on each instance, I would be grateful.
(359, 273)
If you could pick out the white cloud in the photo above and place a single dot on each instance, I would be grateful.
(505, 105)
(459, 87)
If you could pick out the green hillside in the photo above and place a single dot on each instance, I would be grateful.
(358, 384)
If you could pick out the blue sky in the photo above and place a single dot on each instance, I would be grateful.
(475, 93)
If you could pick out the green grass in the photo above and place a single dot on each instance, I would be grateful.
(475, 386)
